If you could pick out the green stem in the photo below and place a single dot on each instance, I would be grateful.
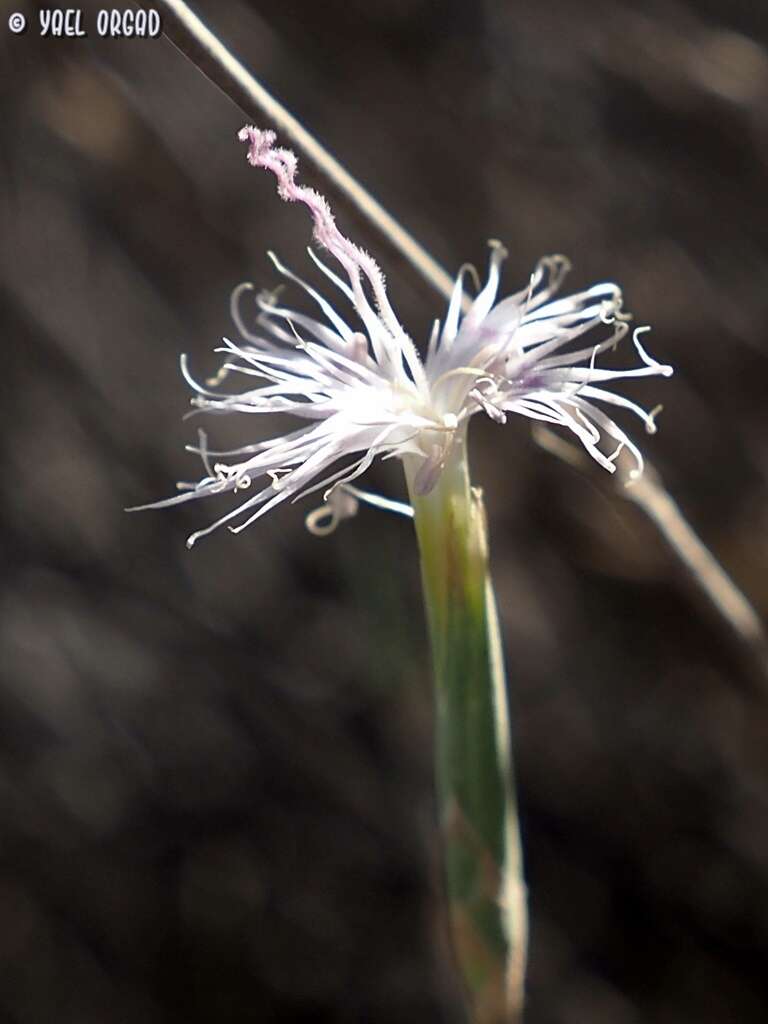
(475, 789)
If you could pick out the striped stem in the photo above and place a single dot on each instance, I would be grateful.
(474, 782)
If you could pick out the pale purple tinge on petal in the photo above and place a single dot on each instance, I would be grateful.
(366, 390)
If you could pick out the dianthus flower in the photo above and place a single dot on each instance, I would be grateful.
(367, 392)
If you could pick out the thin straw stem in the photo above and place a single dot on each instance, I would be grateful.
(195, 40)
(703, 569)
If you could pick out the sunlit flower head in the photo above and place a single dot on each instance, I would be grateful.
(358, 381)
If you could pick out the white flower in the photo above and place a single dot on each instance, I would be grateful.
(366, 391)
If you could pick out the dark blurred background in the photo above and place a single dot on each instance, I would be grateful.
(215, 775)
